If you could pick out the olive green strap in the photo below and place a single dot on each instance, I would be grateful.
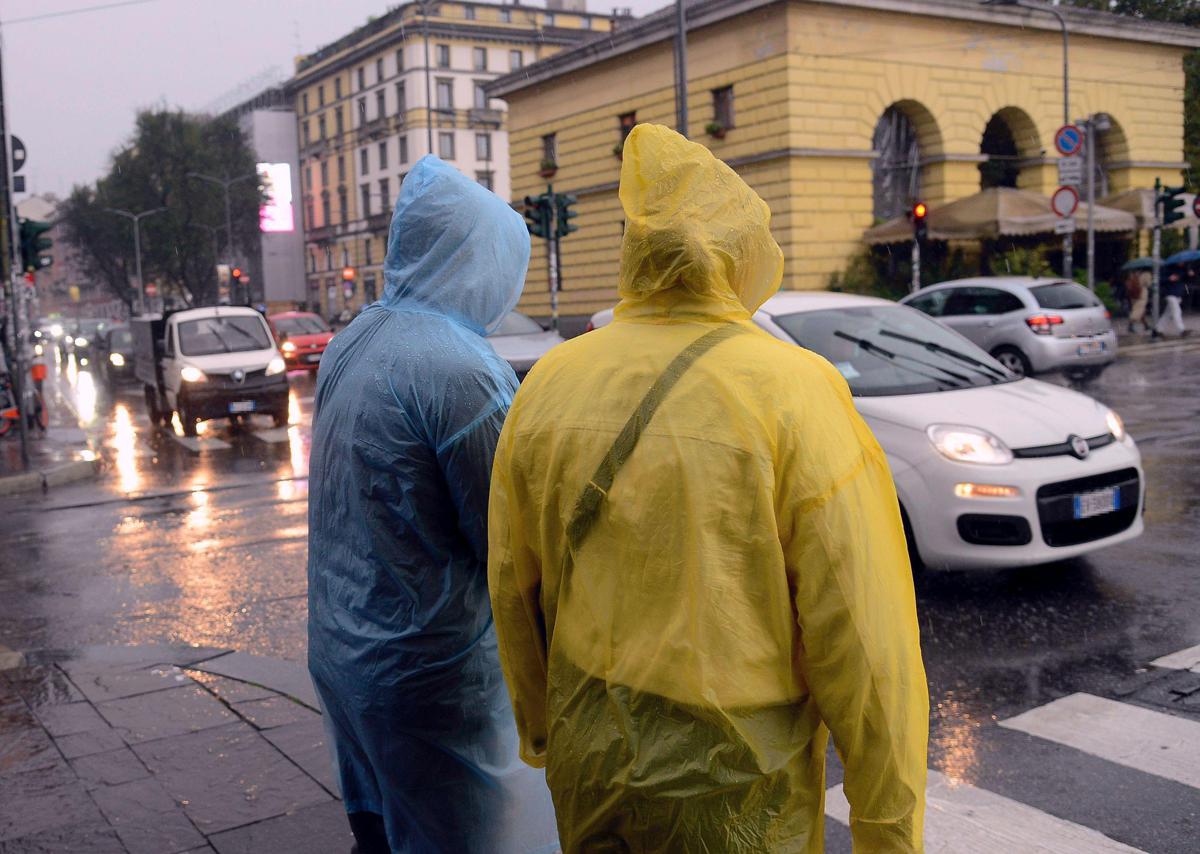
(587, 508)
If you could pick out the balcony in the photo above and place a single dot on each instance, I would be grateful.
(481, 116)
(379, 222)
(374, 128)
(324, 234)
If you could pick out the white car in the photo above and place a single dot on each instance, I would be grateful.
(521, 341)
(993, 470)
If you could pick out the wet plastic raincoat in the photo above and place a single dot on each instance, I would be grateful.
(402, 648)
(679, 637)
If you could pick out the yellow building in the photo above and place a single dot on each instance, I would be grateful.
(840, 113)
(371, 104)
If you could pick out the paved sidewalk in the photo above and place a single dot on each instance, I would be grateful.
(139, 749)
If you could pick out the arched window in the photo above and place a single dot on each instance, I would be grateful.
(897, 166)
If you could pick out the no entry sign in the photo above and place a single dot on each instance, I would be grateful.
(1068, 139)
(1064, 201)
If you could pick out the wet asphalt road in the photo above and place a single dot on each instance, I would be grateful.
(206, 545)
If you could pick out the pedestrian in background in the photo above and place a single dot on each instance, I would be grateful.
(1137, 288)
(1171, 322)
(402, 650)
(697, 561)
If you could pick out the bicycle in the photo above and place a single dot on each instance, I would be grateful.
(10, 410)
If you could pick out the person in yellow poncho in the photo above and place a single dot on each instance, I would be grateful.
(697, 565)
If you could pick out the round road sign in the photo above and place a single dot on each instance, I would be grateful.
(1196, 206)
(1064, 201)
(1068, 139)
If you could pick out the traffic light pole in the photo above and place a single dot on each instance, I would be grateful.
(553, 259)
(1156, 253)
(11, 278)
(916, 265)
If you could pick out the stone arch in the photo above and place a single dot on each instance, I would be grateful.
(1009, 141)
(905, 135)
(1112, 155)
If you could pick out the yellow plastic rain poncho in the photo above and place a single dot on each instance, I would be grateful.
(678, 635)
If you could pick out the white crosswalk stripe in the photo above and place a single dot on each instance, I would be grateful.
(962, 819)
(1185, 659)
(1149, 741)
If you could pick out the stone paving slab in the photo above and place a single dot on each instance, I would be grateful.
(146, 818)
(41, 800)
(274, 712)
(283, 677)
(86, 838)
(321, 829)
(176, 711)
(305, 744)
(111, 768)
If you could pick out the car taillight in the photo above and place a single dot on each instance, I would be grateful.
(590, 327)
(1107, 314)
(1043, 324)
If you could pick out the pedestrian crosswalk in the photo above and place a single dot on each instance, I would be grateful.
(965, 818)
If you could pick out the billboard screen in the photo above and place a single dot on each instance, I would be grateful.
(276, 213)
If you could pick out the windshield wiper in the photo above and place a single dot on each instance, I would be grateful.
(224, 344)
(258, 345)
(933, 346)
(875, 349)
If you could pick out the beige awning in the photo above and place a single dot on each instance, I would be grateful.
(1140, 203)
(996, 212)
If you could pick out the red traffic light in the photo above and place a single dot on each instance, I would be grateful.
(236, 273)
(919, 210)
(347, 274)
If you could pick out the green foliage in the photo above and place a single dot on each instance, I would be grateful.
(886, 271)
(151, 171)
(1021, 261)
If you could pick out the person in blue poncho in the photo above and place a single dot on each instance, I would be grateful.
(402, 649)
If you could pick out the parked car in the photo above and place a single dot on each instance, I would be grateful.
(1029, 325)
(302, 338)
(114, 354)
(78, 338)
(521, 341)
(992, 469)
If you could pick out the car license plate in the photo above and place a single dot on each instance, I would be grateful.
(314, 357)
(1090, 348)
(1088, 504)
(242, 406)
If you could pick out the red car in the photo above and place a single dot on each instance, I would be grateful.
(302, 338)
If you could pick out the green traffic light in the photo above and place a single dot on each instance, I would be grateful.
(537, 215)
(564, 203)
(33, 244)
(1171, 204)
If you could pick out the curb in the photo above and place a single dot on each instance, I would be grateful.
(53, 476)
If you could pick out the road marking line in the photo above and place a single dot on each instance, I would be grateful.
(273, 436)
(1185, 659)
(963, 819)
(1153, 742)
(196, 444)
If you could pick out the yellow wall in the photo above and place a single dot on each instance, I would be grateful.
(810, 83)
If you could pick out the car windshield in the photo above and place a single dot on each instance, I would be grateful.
(230, 334)
(889, 350)
(516, 323)
(300, 324)
(91, 327)
(1064, 295)
(121, 339)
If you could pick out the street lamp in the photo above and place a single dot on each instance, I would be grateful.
(136, 219)
(225, 183)
(1062, 22)
(681, 83)
(428, 93)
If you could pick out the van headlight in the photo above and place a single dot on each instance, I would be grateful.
(968, 445)
(116, 360)
(190, 374)
(1115, 425)
(276, 366)
(80, 342)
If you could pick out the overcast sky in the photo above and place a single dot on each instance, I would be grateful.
(73, 83)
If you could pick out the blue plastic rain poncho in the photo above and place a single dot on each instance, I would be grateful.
(402, 650)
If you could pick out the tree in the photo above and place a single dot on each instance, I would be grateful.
(152, 171)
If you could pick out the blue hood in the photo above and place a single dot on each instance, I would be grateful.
(455, 248)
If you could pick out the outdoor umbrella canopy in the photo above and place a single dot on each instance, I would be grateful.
(1187, 256)
(996, 212)
(1137, 264)
(1140, 203)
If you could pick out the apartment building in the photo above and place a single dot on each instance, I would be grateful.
(405, 84)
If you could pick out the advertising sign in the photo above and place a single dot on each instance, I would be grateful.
(276, 214)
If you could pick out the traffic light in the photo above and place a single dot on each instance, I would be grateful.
(537, 215)
(236, 274)
(1171, 204)
(33, 244)
(348, 274)
(563, 205)
(919, 215)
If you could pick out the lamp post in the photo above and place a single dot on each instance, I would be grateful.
(136, 219)
(681, 95)
(225, 183)
(428, 91)
(1068, 242)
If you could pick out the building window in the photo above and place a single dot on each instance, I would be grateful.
(445, 94)
(343, 206)
(723, 106)
(338, 121)
(337, 87)
(550, 148)
(364, 165)
(308, 178)
(404, 149)
(312, 260)
(341, 161)
(626, 122)
(369, 292)
(345, 255)
(399, 60)
(379, 70)
(304, 103)
(401, 99)
(307, 134)
(486, 179)
(587, 22)
(362, 78)
(383, 155)
(321, 127)
(367, 248)
(481, 97)
(515, 60)
(443, 56)
(324, 174)
(385, 193)
(308, 219)
(403, 175)
(380, 104)
(446, 146)
(483, 146)
(362, 111)
(479, 54)
(321, 95)
(549, 20)
(469, 13)
(505, 16)
(325, 218)
(365, 189)
(328, 258)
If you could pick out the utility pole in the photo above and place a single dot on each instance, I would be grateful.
(1156, 253)
(553, 261)
(225, 183)
(8, 241)
(681, 94)
(428, 89)
(137, 245)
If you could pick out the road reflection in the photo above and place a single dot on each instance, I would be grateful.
(123, 441)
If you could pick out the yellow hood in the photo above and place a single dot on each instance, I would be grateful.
(697, 238)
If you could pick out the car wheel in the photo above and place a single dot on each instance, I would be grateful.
(188, 421)
(914, 555)
(281, 418)
(152, 409)
(1084, 374)
(1014, 360)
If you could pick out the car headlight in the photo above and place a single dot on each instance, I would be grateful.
(276, 367)
(38, 349)
(968, 445)
(1115, 425)
(191, 374)
(80, 342)
(56, 330)
(37, 333)
(287, 347)
(117, 360)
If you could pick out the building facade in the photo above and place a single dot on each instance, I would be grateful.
(374, 102)
(840, 113)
